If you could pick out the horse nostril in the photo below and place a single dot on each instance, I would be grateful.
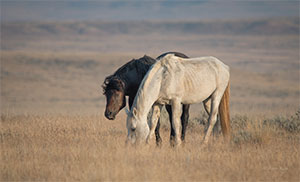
(109, 115)
(133, 129)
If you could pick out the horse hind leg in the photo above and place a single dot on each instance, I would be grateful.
(207, 106)
(215, 100)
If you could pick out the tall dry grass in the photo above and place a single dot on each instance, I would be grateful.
(86, 148)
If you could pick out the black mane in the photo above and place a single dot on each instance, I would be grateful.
(178, 54)
(140, 65)
(112, 82)
(120, 78)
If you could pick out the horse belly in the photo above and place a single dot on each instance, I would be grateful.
(195, 98)
(198, 89)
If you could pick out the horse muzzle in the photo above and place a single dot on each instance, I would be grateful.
(110, 115)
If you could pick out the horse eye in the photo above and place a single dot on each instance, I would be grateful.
(132, 129)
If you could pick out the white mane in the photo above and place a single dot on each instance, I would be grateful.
(152, 82)
(145, 87)
(137, 118)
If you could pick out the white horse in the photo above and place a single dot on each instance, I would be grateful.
(175, 81)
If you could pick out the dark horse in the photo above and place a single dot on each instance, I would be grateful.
(125, 82)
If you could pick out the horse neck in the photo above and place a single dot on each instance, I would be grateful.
(128, 85)
(132, 79)
(144, 105)
(148, 93)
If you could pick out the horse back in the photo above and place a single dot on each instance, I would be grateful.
(192, 79)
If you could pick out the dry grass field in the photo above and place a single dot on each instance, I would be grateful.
(53, 127)
(90, 148)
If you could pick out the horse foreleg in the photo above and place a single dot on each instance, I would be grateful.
(184, 119)
(157, 135)
(172, 134)
(176, 113)
(153, 121)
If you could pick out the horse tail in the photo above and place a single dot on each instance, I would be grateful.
(224, 113)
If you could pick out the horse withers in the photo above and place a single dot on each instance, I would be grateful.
(175, 81)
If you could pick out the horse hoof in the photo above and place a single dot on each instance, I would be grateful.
(177, 143)
(158, 143)
(148, 140)
(204, 145)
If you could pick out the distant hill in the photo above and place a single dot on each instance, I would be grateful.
(124, 10)
(96, 28)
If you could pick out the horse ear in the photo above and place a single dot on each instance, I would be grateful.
(134, 112)
(127, 111)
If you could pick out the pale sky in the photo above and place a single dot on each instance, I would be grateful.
(62, 10)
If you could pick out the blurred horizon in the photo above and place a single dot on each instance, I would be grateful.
(79, 10)
(56, 54)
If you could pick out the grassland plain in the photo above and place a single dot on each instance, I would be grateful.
(52, 125)
(263, 80)
(89, 148)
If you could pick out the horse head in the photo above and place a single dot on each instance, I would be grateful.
(137, 130)
(113, 89)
